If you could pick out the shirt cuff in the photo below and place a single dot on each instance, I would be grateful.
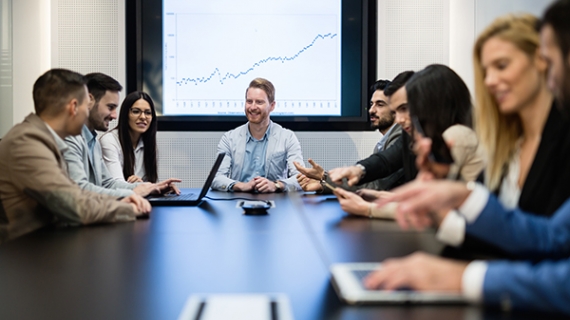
(475, 203)
(231, 186)
(452, 229)
(472, 281)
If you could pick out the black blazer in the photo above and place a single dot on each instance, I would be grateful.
(382, 164)
(547, 185)
(546, 188)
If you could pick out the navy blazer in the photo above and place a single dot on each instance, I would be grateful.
(526, 285)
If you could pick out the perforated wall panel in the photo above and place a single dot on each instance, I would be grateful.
(87, 36)
(412, 35)
(190, 155)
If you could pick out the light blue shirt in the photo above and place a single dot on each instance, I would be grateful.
(381, 144)
(254, 159)
(283, 149)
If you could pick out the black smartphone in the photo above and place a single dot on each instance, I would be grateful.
(440, 152)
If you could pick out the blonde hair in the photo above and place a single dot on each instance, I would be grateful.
(498, 133)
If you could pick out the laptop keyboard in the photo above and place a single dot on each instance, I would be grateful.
(361, 274)
(173, 197)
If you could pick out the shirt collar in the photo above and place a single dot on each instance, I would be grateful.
(61, 145)
(249, 137)
(88, 134)
(140, 145)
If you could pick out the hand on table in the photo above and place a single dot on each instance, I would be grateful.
(263, 185)
(140, 205)
(244, 186)
(352, 203)
(308, 184)
(133, 179)
(418, 271)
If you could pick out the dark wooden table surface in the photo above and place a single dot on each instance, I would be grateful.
(147, 269)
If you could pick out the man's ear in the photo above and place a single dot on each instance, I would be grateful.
(71, 107)
(91, 101)
(272, 106)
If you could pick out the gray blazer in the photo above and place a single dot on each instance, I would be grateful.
(282, 149)
(92, 175)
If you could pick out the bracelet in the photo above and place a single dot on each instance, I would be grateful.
(370, 210)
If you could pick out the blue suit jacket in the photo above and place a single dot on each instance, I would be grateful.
(526, 285)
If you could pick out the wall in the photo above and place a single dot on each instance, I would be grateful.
(87, 36)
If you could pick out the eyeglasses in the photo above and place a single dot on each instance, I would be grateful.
(137, 112)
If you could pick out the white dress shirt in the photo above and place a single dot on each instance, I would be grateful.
(452, 231)
(113, 156)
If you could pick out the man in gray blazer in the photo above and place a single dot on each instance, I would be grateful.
(84, 156)
(259, 154)
(35, 190)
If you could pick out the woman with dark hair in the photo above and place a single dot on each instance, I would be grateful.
(129, 150)
(440, 107)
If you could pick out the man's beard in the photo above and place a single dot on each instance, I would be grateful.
(96, 122)
(382, 125)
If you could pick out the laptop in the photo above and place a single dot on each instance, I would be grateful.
(347, 279)
(187, 199)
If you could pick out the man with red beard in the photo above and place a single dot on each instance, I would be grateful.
(259, 154)
(84, 156)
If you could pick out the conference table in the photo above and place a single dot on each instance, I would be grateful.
(147, 269)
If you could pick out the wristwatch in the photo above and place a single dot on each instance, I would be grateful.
(362, 168)
(278, 187)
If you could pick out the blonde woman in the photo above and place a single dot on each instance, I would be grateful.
(516, 120)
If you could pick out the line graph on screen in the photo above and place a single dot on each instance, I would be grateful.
(211, 58)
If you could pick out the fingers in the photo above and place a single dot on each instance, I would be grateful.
(403, 193)
(337, 174)
(353, 180)
(299, 167)
(341, 193)
(133, 179)
(141, 205)
(175, 189)
(315, 165)
(386, 277)
(263, 185)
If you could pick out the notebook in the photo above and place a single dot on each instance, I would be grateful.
(187, 199)
(347, 281)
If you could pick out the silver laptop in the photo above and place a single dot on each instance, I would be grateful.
(188, 199)
(347, 281)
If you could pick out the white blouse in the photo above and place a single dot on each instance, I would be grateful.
(509, 192)
(113, 155)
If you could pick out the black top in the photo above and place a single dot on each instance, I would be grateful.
(389, 161)
(546, 187)
(547, 184)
